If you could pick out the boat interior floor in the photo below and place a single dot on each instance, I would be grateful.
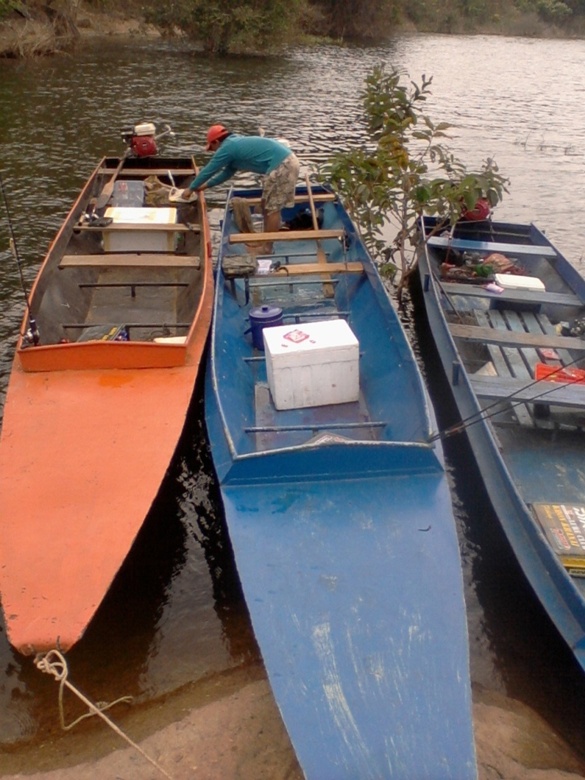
(144, 307)
(507, 359)
(275, 428)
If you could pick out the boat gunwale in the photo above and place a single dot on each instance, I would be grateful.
(375, 282)
(96, 354)
(565, 602)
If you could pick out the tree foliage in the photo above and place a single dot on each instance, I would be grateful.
(359, 19)
(405, 170)
(265, 26)
(225, 27)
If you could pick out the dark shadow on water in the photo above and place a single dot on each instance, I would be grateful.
(515, 648)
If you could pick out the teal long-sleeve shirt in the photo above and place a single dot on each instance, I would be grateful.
(252, 153)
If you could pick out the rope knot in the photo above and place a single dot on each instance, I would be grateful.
(53, 662)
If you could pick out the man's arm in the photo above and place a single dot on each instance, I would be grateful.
(220, 164)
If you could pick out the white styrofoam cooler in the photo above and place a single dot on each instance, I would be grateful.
(136, 240)
(312, 364)
(513, 282)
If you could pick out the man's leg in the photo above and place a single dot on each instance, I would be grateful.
(271, 225)
(279, 191)
(272, 222)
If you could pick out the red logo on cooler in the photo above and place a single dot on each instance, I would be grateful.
(296, 336)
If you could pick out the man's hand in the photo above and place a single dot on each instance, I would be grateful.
(177, 195)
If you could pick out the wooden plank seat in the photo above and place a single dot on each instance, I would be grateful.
(146, 227)
(511, 296)
(508, 338)
(491, 246)
(131, 260)
(321, 197)
(542, 392)
(129, 173)
(514, 357)
(285, 235)
(292, 269)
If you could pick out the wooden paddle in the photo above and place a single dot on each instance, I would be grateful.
(108, 188)
(328, 290)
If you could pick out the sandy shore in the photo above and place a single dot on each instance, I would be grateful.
(237, 734)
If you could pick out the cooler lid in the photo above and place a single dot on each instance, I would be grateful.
(311, 341)
(265, 313)
(142, 216)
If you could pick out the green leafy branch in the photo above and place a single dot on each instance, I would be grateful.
(404, 170)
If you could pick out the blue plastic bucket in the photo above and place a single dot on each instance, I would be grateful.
(263, 317)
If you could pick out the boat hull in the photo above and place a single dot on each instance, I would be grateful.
(341, 523)
(523, 462)
(89, 430)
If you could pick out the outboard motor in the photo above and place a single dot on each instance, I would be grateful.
(141, 139)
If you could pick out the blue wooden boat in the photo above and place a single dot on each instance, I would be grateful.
(339, 513)
(512, 355)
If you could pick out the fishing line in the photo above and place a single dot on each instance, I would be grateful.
(480, 416)
(14, 250)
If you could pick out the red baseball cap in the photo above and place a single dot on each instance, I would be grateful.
(215, 133)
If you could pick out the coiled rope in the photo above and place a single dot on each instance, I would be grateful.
(53, 662)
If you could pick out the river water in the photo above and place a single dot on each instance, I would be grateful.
(175, 614)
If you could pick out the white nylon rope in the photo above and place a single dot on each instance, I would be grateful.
(53, 662)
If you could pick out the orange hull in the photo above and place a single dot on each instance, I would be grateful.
(89, 431)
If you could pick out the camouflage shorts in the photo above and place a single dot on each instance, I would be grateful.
(279, 185)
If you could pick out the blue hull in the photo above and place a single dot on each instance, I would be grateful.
(342, 528)
(530, 455)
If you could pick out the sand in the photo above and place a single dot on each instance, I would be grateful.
(235, 733)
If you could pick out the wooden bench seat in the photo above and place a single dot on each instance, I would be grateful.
(285, 235)
(355, 267)
(491, 246)
(147, 227)
(131, 260)
(513, 340)
(129, 173)
(546, 393)
(511, 296)
(508, 338)
(321, 197)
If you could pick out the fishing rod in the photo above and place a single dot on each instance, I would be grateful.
(484, 414)
(33, 329)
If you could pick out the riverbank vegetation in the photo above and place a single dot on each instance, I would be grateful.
(262, 26)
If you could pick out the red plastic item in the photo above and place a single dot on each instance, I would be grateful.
(559, 374)
(480, 211)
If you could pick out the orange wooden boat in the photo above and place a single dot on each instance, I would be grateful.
(95, 409)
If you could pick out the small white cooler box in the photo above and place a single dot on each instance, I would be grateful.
(312, 364)
(513, 282)
(136, 240)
